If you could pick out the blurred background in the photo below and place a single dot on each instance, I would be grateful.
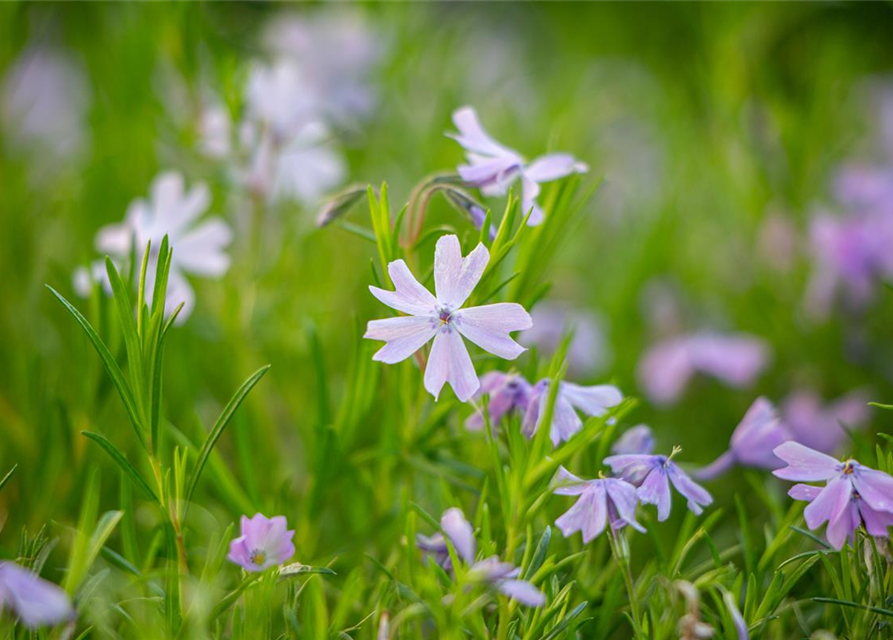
(746, 159)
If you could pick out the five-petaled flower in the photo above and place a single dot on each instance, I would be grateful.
(601, 501)
(853, 494)
(443, 319)
(36, 602)
(265, 542)
(652, 474)
(492, 167)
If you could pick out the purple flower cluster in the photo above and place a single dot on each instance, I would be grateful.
(492, 572)
(853, 494)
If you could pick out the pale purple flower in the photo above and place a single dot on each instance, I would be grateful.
(36, 602)
(43, 103)
(752, 443)
(737, 619)
(638, 439)
(595, 401)
(508, 392)
(853, 494)
(601, 501)
(667, 367)
(820, 426)
(443, 319)
(652, 475)
(198, 246)
(588, 351)
(264, 543)
(493, 167)
(503, 576)
(460, 533)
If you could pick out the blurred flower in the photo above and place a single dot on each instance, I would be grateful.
(752, 443)
(666, 368)
(264, 543)
(601, 501)
(854, 494)
(638, 439)
(652, 474)
(460, 533)
(36, 602)
(593, 401)
(198, 248)
(43, 102)
(777, 242)
(493, 167)
(691, 627)
(336, 52)
(340, 204)
(821, 427)
(443, 319)
(737, 618)
(508, 392)
(502, 576)
(468, 206)
(588, 351)
(490, 571)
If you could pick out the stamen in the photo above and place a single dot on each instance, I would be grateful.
(258, 557)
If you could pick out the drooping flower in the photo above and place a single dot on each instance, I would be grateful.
(588, 351)
(752, 443)
(601, 501)
(443, 319)
(460, 533)
(853, 494)
(652, 475)
(638, 439)
(264, 543)
(821, 427)
(198, 247)
(593, 401)
(508, 392)
(691, 627)
(36, 602)
(501, 576)
(493, 167)
(667, 367)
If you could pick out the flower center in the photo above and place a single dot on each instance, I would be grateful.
(848, 467)
(258, 557)
(444, 316)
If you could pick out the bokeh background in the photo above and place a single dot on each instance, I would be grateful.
(720, 132)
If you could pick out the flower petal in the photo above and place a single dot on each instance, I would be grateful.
(594, 400)
(449, 362)
(455, 277)
(875, 487)
(805, 492)
(460, 533)
(472, 135)
(201, 250)
(696, 495)
(489, 326)
(655, 489)
(625, 500)
(567, 484)
(36, 601)
(409, 296)
(842, 527)
(523, 591)
(829, 504)
(554, 166)
(404, 336)
(804, 464)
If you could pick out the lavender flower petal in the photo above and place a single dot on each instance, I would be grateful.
(489, 326)
(460, 533)
(454, 276)
(804, 464)
(522, 591)
(449, 362)
(404, 336)
(636, 440)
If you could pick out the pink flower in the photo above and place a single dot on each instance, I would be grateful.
(443, 319)
(667, 367)
(265, 542)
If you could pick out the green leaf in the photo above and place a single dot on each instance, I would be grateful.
(122, 462)
(539, 555)
(8, 476)
(111, 366)
(129, 329)
(296, 569)
(219, 426)
(855, 605)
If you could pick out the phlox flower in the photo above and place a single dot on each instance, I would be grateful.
(601, 501)
(667, 367)
(443, 319)
(263, 543)
(493, 167)
(501, 576)
(198, 246)
(820, 426)
(593, 401)
(638, 439)
(854, 494)
(36, 602)
(652, 475)
(588, 351)
(508, 392)
(752, 443)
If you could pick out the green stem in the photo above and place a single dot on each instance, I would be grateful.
(622, 558)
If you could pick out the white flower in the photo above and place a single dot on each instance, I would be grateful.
(198, 247)
(493, 168)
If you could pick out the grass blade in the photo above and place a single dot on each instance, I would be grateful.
(122, 462)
